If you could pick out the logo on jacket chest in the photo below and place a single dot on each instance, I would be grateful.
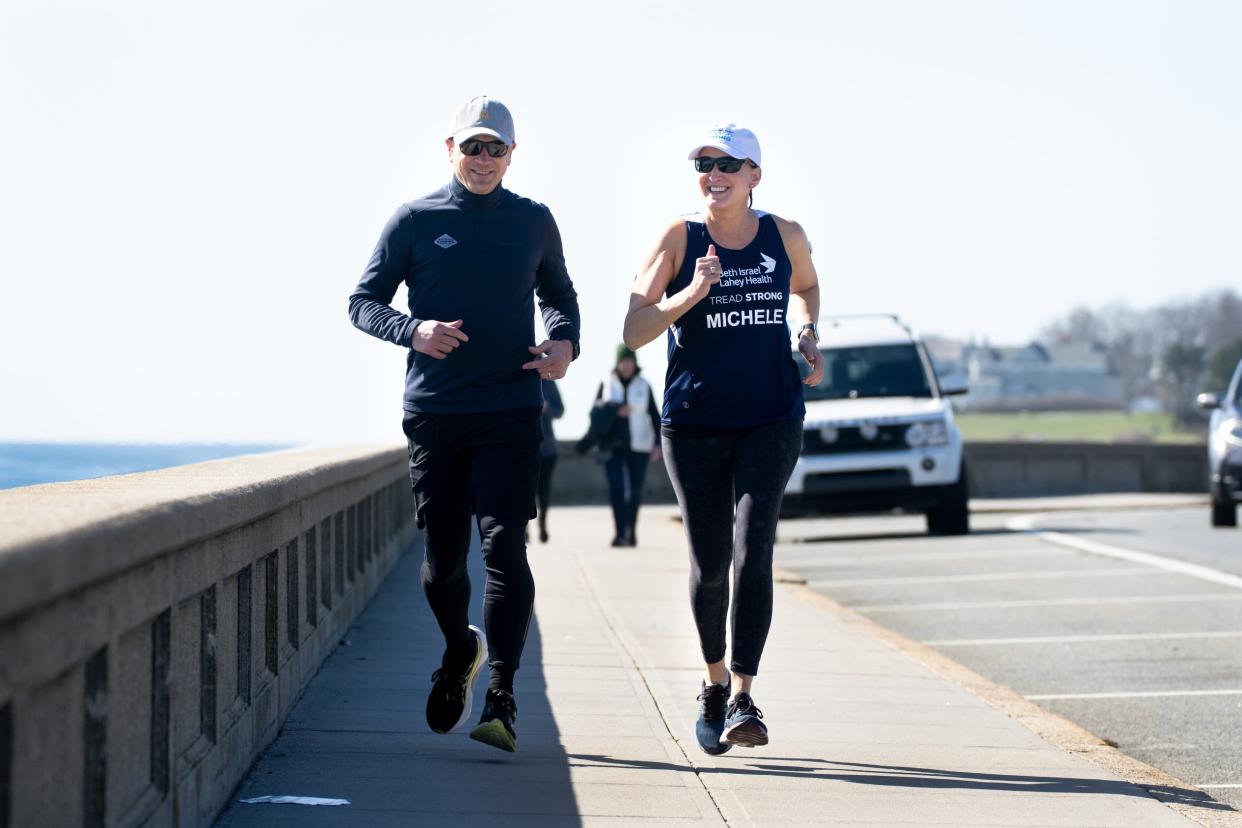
(446, 241)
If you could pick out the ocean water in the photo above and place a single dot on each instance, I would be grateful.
(25, 464)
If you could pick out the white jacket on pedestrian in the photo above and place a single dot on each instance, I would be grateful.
(637, 396)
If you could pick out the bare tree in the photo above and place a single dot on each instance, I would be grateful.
(1160, 351)
(1222, 318)
(1080, 327)
(1221, 365)
(1181, 371)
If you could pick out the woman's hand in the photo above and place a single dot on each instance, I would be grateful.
(706, 273)
(811, 353)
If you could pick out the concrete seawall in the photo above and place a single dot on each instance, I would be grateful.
(156, 628)
(1058, 469)
(995, 470)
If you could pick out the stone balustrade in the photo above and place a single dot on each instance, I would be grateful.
(156, 628)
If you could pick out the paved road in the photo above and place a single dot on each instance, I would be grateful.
(1144, 650)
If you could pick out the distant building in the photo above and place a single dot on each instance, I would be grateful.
(1147, 404)
(1031, 377)
(948, 356)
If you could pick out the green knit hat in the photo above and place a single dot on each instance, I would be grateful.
(623, 352)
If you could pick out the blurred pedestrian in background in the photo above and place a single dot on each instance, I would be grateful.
(552, 408)
(631, 442)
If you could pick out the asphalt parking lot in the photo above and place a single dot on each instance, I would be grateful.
(1126, 621)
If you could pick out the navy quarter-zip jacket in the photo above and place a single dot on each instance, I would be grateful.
(481, 259)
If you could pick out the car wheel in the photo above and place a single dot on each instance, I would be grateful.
(951, 516)
(1224, 513)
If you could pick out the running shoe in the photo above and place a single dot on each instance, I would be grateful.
(448, 706)
(496, 725)
(712, 700)
(742, 725)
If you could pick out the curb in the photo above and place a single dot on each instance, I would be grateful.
(1079, 503)
(1177, 794)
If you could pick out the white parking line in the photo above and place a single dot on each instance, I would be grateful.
(1036, 551)
(1079, 639)
(1051, 602)
(1026, 523)
(1152, 694)
(986, 576)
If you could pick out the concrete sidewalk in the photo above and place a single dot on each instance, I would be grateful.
(862, 733)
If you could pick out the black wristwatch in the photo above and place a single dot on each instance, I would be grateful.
(577, 349)
(814, 331)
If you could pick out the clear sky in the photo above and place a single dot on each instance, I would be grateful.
(191, 191)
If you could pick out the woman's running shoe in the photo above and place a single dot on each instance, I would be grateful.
(743, 725)
(712, 700)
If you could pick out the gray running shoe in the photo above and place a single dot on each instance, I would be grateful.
(743, 723)
(707, 730)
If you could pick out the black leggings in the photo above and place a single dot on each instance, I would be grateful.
(740, 477)
(488, 464)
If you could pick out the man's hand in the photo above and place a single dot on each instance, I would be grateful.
(554, 358)
(811, 353)
(437, 339)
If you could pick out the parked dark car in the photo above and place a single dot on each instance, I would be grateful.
(1225, 450)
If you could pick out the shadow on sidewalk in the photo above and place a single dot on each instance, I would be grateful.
(359, 732)
(910, 777)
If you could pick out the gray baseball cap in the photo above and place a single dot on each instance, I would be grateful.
(482, 116)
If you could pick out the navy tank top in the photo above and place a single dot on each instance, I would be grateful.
(729, 357)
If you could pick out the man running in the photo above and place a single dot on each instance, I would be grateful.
(472, 255)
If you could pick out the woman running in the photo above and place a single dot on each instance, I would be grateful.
(721, 283)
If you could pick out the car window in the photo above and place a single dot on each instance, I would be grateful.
(871, 371)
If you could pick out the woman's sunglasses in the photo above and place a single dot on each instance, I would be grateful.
(724, 164)
(496, 149)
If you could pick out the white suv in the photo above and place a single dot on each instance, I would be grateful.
(879, 433)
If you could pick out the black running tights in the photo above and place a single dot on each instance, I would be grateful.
(488, 464)
(729, 486)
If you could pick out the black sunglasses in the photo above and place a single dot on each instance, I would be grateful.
(496, 149)
(725, 164)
